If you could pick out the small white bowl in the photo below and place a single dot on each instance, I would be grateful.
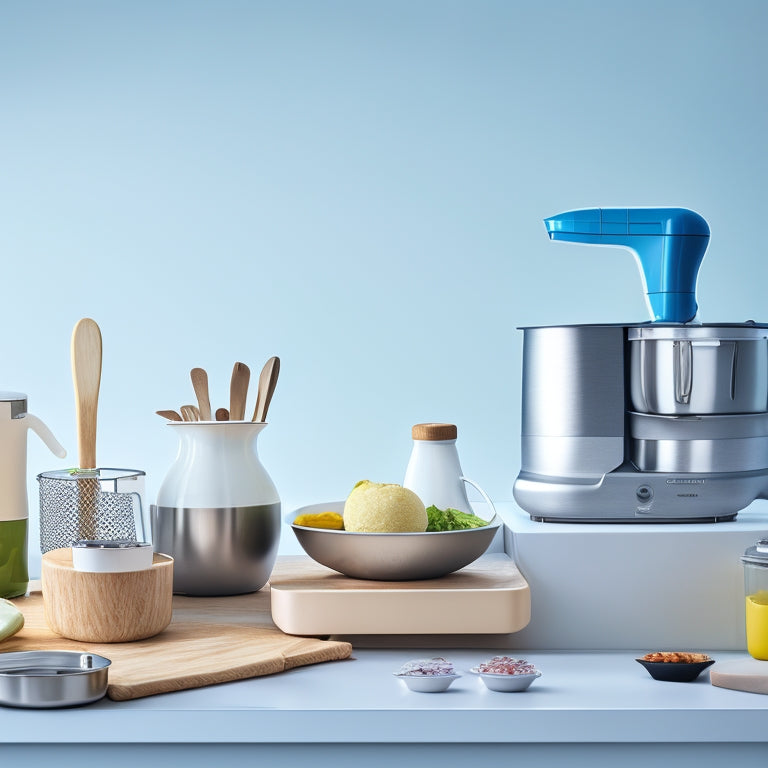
(428, 683)
(506, 683)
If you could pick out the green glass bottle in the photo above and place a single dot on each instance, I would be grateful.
(14, 575)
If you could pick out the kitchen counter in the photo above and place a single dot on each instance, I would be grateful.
(589, 708)
(595, 706)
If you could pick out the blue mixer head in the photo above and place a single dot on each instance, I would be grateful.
(669, 244)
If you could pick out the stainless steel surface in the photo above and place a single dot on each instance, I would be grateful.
(218, 550)
(627, 495)
(711, 332)
(48, 679)
(699, 370)
(393, 556)
(18, 401)
(573, 387)
(643, 422)
(567, 456)
(648, 426)
(721, 455)
(118, 506)
(709, 444)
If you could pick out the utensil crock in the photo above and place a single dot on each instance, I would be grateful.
(218, 511)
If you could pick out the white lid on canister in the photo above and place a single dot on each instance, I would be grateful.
(118, 556)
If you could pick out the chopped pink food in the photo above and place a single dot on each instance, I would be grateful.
(427, 667)
(506, 665)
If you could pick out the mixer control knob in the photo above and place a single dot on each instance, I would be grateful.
(644, 493)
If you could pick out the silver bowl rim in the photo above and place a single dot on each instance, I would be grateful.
(49, 659)
(494, 522)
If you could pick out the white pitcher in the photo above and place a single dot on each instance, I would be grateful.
(218, 511)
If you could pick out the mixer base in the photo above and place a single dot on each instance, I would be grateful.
(634, 520)
(629, 496)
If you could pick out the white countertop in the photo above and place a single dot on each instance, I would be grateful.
(581, 697)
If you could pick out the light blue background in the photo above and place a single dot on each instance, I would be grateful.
(357, 187)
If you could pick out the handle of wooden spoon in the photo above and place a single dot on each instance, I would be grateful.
(238, 391)
(267, 384)
(200, 384)
(86, 377)
(222, 414)
(170, 415)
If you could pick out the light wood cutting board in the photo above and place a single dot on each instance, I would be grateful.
(489, 596)
(745, 674)
(210, 640)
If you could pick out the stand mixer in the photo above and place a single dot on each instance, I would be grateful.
(663, 421)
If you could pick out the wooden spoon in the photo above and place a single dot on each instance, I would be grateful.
(222, 414)
(238, 391)
(170, 415)
(190, 413)
(86, 377)
(200, 384)
(267, 384)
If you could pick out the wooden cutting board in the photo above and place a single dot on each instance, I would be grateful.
(210, 640)
(745, 674)
(487, 597)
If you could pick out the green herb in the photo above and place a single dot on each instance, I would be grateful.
(451, 520)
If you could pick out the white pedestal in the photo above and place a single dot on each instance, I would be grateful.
(633, 586)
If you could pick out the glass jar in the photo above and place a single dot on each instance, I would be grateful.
(755, 561)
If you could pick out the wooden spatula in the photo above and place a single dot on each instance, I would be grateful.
(171, 415)
(86, 377)
(200, 383)
(190, 413)
(238, 391)
(267, 384)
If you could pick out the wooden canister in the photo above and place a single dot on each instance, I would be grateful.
(106, 607)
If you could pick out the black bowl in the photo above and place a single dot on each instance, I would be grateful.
(675, 671)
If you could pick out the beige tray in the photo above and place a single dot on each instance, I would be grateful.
(490, 596)
(745, 674)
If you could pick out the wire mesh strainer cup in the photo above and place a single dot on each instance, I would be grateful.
(105, 504)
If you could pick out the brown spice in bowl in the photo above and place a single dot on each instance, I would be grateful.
(676, 657)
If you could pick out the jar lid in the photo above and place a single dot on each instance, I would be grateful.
(18, 401)
(757, 554)
(434, 432)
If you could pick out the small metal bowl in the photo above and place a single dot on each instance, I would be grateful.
(49, 679)
(391, 556)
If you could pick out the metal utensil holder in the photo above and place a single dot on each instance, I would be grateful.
(103, 503)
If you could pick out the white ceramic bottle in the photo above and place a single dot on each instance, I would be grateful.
(15, 423)
(434, 471)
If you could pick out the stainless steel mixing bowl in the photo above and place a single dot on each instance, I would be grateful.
(48, 679)
(391, 556)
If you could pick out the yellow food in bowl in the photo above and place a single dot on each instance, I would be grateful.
(384, 508)
(331, 520)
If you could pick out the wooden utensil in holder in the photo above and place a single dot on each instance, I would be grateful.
(106, 607)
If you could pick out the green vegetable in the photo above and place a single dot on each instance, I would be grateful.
(11, 619)
(451, 520)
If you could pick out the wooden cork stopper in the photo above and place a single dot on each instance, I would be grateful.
(434, 432)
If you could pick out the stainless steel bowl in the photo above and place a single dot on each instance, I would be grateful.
(392, 556)
(699, 370)
(48, 679)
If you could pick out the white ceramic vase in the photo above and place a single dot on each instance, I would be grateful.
(218, 511)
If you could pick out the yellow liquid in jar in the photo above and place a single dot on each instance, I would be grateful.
(757, 625)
